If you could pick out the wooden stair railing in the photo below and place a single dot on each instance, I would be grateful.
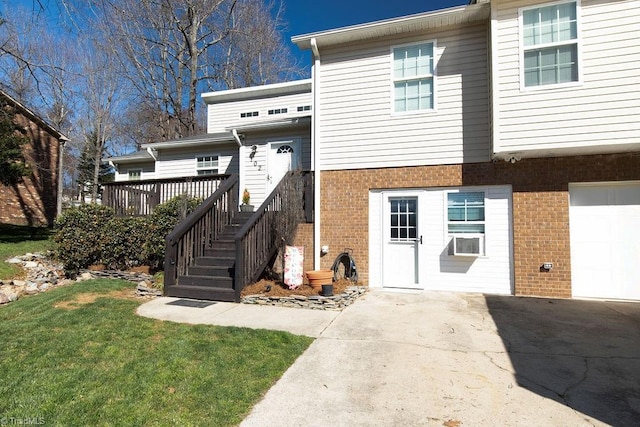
(199, 230)
(216, 251)
(256, 240)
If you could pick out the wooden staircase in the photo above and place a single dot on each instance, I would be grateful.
(211, 276)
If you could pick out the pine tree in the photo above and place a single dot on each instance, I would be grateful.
(13, 166)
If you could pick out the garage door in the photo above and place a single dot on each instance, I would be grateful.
(605, 240)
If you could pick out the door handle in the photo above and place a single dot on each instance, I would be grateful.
(419, 239)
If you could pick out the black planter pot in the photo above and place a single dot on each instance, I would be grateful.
(327, 290)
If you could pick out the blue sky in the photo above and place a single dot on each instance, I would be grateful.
(308, 16)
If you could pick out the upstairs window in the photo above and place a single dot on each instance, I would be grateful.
(550, 44)
(413, 77)
(207, 165)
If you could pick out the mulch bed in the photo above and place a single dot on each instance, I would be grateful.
(278, 290)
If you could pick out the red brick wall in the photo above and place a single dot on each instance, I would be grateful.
(34, 201)
(540, 208)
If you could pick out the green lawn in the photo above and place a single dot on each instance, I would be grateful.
(79, 355)
(18, 240)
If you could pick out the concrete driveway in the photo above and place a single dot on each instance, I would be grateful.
(443, 359)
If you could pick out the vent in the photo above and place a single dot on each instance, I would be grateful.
(468, 245)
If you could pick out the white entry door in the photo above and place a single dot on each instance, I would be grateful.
(401, 242)
(605, 240)
(283, 157)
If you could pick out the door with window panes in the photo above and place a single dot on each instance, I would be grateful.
(402, 241)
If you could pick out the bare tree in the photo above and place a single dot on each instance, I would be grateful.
(255, 53)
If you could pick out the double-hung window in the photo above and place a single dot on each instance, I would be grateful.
(550, 44)
(207, 165)
(465, 212)
(413, 77)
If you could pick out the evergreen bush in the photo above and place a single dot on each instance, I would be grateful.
(80, 236)
(92, 234)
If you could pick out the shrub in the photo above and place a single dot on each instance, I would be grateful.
(92, 234)
(162, 221)
(124, 239)
(79, 236)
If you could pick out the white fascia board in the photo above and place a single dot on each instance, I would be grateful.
(276, 89)
(275, 124)
(393, 26)
(218, 138)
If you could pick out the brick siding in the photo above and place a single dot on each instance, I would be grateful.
(540, 208)
(34, 201)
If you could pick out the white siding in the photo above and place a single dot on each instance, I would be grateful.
(148, 171)
(227, 114)
(491, 273)
(357, 128)
(182, 162)
(255, 172)
(601, 112)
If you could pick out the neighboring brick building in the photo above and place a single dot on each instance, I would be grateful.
(34, 201)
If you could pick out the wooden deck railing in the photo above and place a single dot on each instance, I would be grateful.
(256, 241)
(198, 230)
(141, 197)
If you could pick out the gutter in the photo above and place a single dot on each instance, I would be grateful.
(315, 153)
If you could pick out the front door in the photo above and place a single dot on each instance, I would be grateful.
(402, 242)
(283, 157)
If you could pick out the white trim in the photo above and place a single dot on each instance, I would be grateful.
(447, 236)
(577, 42)
(494, 82)
(433, 76)
(297, 151)
(257, 91)
(315, 150)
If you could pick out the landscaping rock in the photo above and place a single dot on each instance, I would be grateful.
(42, 274)
(335, 302)
(144, 289)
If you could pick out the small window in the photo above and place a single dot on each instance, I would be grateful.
(304, 108)
(550, 44)
(413, 77)
(207, 165)
(278, 111)
(134, 174)
(404, 217)
(465, 212)
(249, 114)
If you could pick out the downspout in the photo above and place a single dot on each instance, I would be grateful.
(152, 154)
(241, 168)
(315, 143)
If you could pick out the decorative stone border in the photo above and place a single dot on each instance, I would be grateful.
(43, 274)
(336, 302)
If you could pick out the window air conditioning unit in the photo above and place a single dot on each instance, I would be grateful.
(468, 245)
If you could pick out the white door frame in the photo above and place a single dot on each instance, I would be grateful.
(417, 242)
(295, 144)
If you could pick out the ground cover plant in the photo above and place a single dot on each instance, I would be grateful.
(79, 355)
(18, 240)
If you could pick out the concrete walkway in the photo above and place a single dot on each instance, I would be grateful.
(443, 359)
